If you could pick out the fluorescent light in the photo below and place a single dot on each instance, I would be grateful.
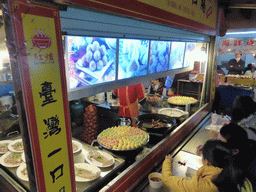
(237, 33)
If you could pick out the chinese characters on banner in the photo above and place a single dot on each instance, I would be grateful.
(195, 15)
(42, 75)
(201, 11)
(237, 45)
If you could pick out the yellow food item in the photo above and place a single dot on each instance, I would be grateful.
(181, 100)
(123, 137)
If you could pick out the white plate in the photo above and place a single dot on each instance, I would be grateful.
(23, 157)
(11, 148)
(172, 112)
(9, 165)
(20, 174)
(88, 167)
(98, 163)
(78, 144)
(4, 142)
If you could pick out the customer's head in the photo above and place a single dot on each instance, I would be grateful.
(216, 153)
(243, 107)
(235, 136)
(232, 133)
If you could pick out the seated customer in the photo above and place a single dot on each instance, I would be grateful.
(218, 173)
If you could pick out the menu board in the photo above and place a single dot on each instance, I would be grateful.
(190, 54)
(133, 58)
(177, 55)
(91, 60)
(159, 56)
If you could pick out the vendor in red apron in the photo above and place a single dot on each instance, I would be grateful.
(129, 98)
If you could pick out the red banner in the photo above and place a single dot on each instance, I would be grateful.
(198, 16)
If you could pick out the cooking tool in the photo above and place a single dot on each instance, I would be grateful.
(114, 105)
(145, 122)
(125, 150)
(172, 112)
(8, 124)
(157, 101)
(181, 101)
(123, 122)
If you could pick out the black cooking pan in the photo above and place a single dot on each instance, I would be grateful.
(145, 123)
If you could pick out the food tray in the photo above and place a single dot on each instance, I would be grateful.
(114, 150)
(182, 100)
(172, 112)
(95, 74)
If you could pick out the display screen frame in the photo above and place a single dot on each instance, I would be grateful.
(133, 56)
(159, 56)
(176, 50)
(119, 80)
(77, 74)
(190, 48)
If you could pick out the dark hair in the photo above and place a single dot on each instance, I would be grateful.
(234, 133)
(243, 107)
(220, 155)
(237, 138)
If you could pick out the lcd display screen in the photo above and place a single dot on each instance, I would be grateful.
(159, 56)
(190, 54)
(90, 60)
(133, 58)
(177, 55)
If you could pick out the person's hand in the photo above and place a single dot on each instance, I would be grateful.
(199, 150)
(169, 157)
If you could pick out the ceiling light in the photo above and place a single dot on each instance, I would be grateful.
(240, 33)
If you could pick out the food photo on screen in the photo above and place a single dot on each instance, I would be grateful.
(133, 58)
(159, 56)
(91, 60)
(190, 54)
(177, 55)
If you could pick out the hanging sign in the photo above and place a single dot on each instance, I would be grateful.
(237, 45)
(196, 15)
(41, 63)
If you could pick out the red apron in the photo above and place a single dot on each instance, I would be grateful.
(129, 102)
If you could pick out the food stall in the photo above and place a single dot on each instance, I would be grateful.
(96, 61)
